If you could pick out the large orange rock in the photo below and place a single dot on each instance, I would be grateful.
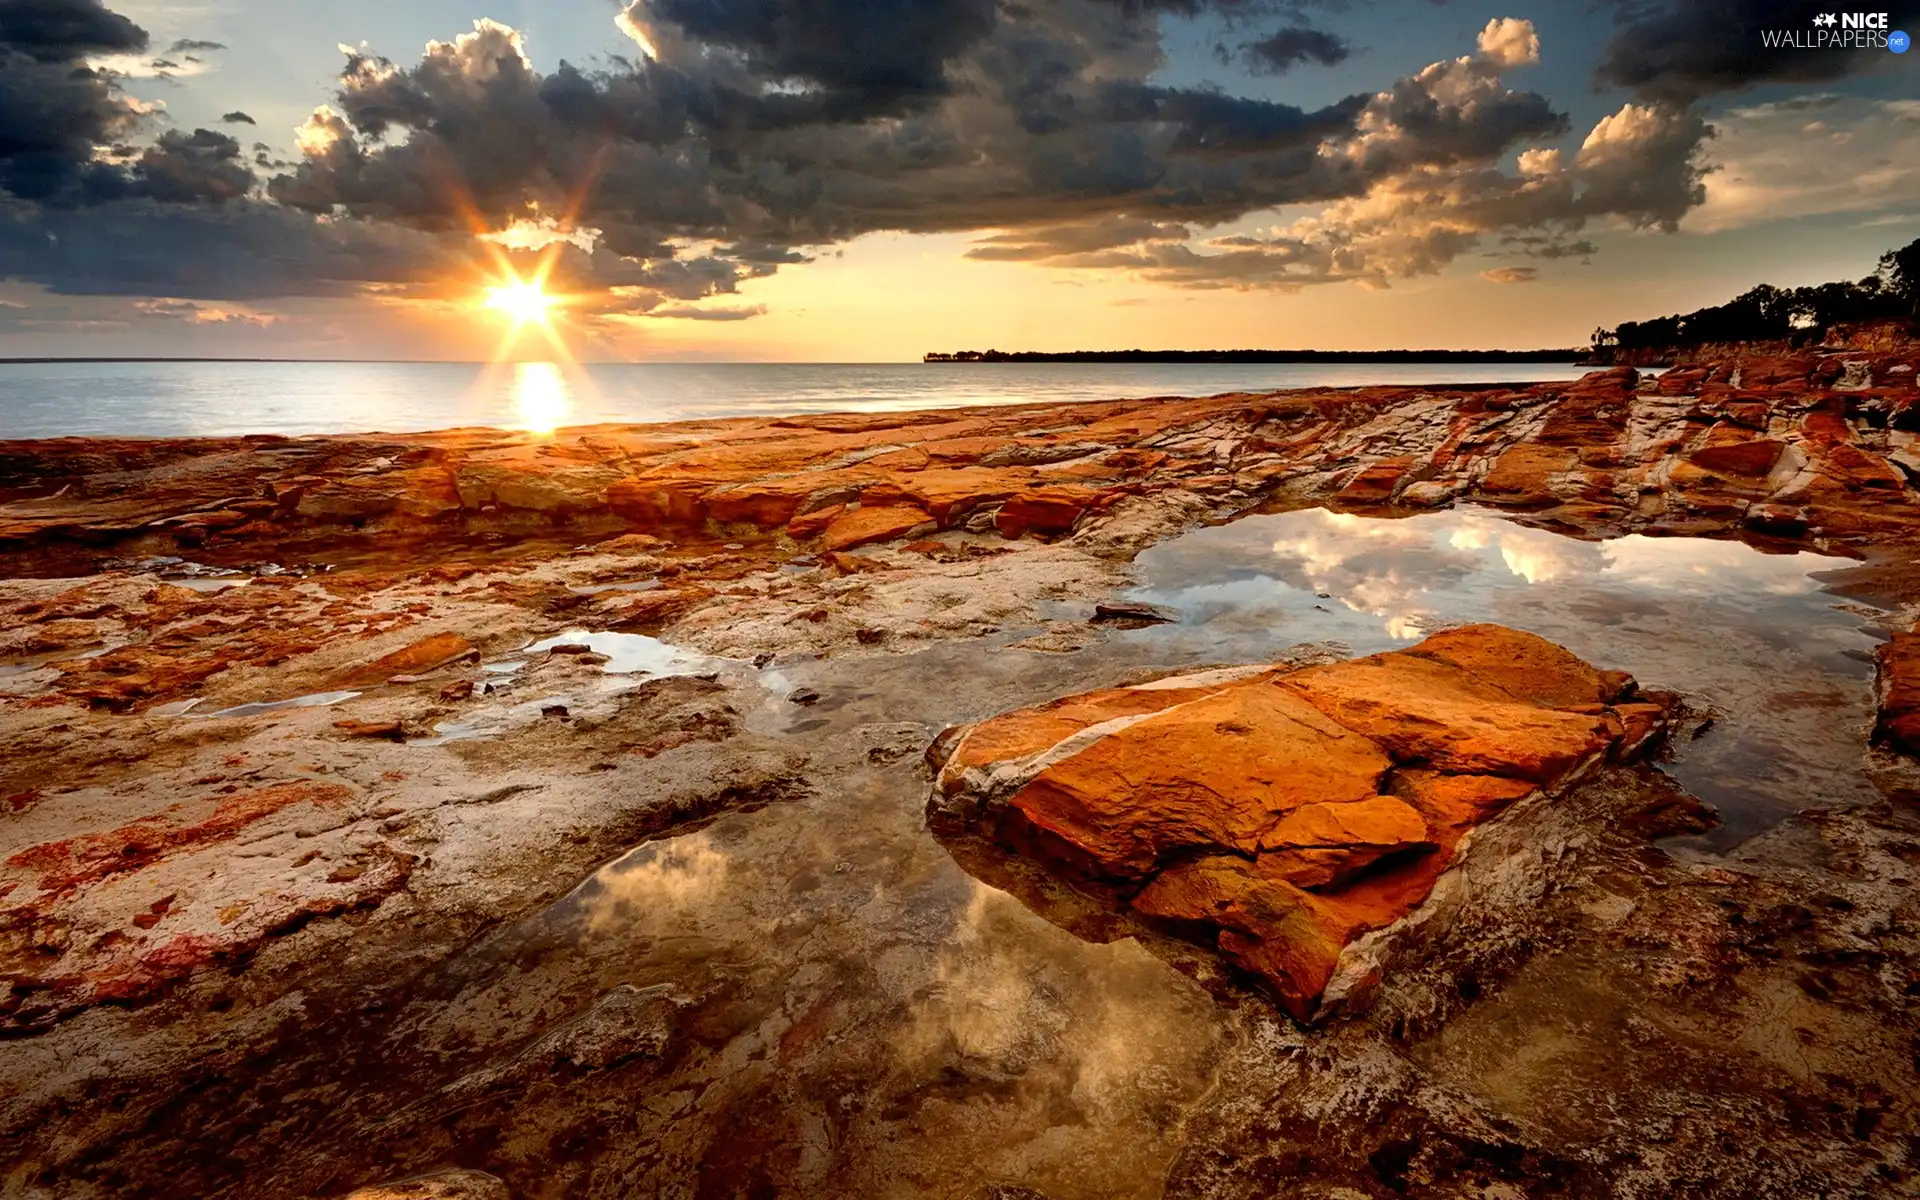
(1221, 770)
(1434, 713)
(1277, 815)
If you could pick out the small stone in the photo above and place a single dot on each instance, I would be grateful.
(571, 648)
(554, 710)
(870, 637)
(803, 695)
(459, 689)
(1134, 614)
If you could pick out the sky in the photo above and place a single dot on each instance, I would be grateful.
(867, 180)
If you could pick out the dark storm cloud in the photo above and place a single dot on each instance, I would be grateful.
(236, 117)
(1682, 50)
(1284, 49)
(54, 110)
(198, 167)
(887, 53)
(193, 46)
(64, 31)
(1208, 121)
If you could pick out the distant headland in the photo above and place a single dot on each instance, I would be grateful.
(1257, 356)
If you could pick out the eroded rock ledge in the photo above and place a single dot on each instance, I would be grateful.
(1280, 814)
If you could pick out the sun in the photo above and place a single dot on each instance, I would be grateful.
(522, 299)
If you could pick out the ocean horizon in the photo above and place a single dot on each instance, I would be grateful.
(187, 398)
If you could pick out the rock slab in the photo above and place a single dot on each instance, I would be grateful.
(1278, 814)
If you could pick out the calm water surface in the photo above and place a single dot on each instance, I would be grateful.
(184, 399)
(1785, 666)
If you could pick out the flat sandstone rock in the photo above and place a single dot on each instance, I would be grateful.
(1278, 815)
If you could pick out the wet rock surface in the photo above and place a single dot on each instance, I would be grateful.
(302, 892)
(1281, 814)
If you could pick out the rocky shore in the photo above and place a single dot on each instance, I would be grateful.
(327, 759)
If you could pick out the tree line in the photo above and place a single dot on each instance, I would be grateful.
(1768, 313)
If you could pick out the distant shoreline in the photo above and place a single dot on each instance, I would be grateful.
(1255, 356)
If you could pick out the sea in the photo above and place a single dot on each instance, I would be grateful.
(175, 399)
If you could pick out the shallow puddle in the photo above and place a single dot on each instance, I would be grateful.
(1785, 667)
(629, 657)
(633, 653)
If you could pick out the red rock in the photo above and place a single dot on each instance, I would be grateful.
(813, 524)
(1049, 510)
(427, 654)
(1278, 815)
(948, 492)
(1526, 474)
(657, 607)
(864, 525)
(1428, 712)
(88, 858)
(135, 675)
(1266, 755)
(1749, 459)
(1375, 484)
(1897, 688)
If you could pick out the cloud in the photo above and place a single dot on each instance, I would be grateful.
(748, 134)
(193, 46)
(65, 31)
(1293, 45)
(1425, 156)
(202, 166)
(236, 117)
(238, 251)
(55, 109)
(1511, 274)
(192, 312)
(1682, 50)
(1509, 42)
(1780, 160)
(688, 312)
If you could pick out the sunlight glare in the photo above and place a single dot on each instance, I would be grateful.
(523, 299)
(541, 398)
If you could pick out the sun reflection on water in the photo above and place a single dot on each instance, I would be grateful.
(541, 397)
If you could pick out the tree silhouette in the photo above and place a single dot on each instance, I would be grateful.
(1768, 313)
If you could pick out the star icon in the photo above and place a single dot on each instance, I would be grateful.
(1826, 19)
